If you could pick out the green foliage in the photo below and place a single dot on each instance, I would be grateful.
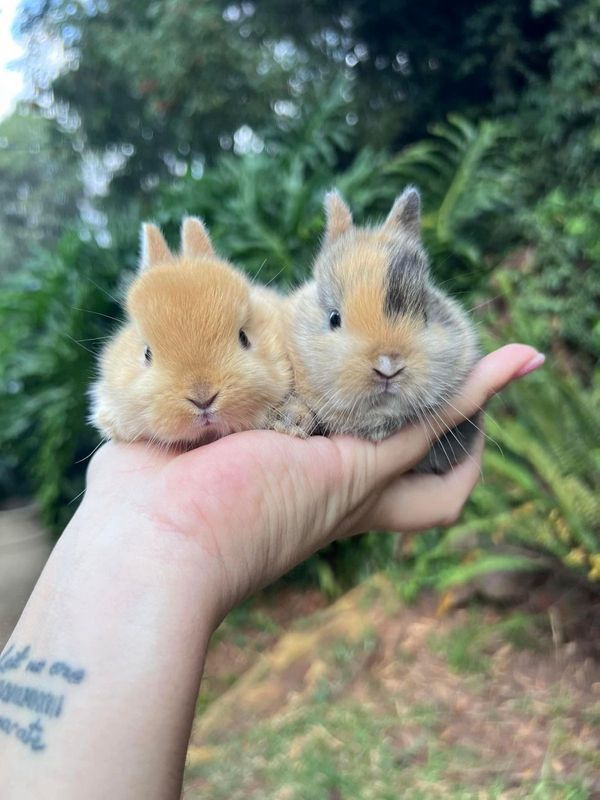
(464, 647)
(276, 232)
(557, 119)
(265, 210)
(540, 495)
(40, 187)
(169, 71)
(467, 647)
(553, 292)
(180, 78)
(463, 173)
(52, 317)
(554, 435)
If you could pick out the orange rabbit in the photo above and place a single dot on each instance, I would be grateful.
(202, 354)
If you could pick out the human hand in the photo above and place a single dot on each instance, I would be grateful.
(254, 504)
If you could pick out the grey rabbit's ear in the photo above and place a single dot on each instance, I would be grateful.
(153, 247)
(406, 213)
(339, 216)
(195, 240)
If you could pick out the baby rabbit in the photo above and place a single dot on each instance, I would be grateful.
(374, 344)
(202, 354)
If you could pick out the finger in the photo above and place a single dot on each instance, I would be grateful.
(417, 502)
(491, 374)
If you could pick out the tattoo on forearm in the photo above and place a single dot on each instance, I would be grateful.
(20, 698)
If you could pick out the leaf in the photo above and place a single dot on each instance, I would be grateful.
(461, 573)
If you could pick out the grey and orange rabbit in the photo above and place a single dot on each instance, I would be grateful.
(374, 344)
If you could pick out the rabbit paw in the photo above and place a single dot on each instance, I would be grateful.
(281, 426)
(295, 419)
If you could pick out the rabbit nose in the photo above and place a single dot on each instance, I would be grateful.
(203, 401)
(388, 366)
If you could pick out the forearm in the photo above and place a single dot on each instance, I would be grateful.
(128, 609)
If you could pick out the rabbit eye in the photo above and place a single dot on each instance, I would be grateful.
(335, 319)
(147, 355)
(244, 341)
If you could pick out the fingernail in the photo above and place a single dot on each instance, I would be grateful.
(534, 362)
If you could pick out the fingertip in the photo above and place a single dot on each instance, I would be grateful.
(506, 364)
(534, 363)
(522, 357)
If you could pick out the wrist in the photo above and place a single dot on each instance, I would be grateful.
(123, 561)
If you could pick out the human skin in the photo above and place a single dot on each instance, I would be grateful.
(160, 549)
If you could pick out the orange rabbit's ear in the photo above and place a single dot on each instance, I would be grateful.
(195, 240)
(153, 247)
(339, 216)
(405, 215)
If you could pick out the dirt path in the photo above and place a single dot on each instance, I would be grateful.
(24, 548)
(373, 699)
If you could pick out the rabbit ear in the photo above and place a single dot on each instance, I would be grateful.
(339, 216)
(154, 248)
(406, 213)
(195, 240)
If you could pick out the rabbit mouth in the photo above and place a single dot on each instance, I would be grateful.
(206, 430)
(385, 391)
(204, 427)
(206, 418)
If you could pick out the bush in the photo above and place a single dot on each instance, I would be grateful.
(53, 316)
(552, 293)
(469, 196)
(539, 504)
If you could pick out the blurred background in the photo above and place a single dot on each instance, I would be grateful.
(384, 667)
